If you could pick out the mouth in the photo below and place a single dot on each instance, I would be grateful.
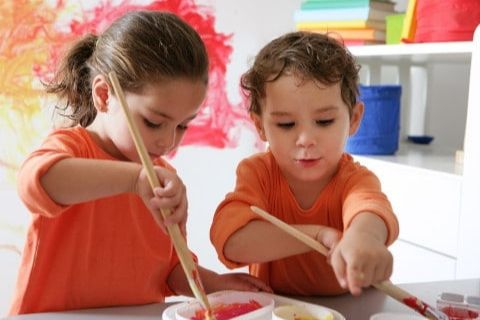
(307, 162)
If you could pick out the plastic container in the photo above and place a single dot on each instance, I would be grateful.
(379, 130)
(187, 311)
(297, 312)
(458, 306)
(394, 28)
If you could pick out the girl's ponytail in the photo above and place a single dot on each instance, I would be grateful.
(72, 83)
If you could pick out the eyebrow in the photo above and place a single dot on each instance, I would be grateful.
(162, 114)
(152, 110)
(318, 110)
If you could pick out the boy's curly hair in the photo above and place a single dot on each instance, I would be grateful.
(308, 55)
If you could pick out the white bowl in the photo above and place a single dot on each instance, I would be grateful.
(301, 312)
(188, 310)
(396, 316)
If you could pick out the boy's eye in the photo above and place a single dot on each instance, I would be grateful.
(151, 124)
(324, 123)
(286, 125)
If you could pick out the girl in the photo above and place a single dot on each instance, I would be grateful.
(94, 240)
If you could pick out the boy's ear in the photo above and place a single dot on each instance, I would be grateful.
(257, 120)
(100, 93)
(356, 118)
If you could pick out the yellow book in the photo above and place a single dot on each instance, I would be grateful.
(341, 24)
(409, 23)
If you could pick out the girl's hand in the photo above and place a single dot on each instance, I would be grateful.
(359, 260)
(238, 281)
(171, 196)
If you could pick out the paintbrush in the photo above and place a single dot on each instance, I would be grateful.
(386, 286)
(179, 243)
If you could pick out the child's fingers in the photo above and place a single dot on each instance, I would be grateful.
(162, 201)
(178, 215)
(339, 268)
(388, 272)
(250, 283)
(355, 279)
(329, 237)
(259, 284)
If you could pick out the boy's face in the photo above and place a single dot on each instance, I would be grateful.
(306, 125)
(162, 113)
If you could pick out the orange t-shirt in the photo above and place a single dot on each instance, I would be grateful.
(352, 190)
(105, 252)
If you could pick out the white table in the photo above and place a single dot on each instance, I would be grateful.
(357, 308)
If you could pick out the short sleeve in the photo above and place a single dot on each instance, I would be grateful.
(363, 193)
(234, 211)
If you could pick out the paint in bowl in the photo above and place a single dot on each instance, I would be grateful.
(238, 305)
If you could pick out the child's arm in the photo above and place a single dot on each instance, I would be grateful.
(77, 180)
(213, 281)
(361, 258)
(244, 245)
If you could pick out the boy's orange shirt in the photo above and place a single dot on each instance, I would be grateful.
(352, 190)
(104, 252)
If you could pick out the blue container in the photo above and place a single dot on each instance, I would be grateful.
(380, 126)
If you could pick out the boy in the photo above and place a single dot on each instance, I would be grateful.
(303, 90)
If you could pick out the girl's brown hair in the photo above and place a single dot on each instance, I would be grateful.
(141, 47)
(310, 56)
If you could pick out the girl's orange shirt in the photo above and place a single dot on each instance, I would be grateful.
(107, 252)
(352, 190)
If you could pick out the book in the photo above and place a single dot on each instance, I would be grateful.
(409, 22)
(331, 4)
(342, 24)
(363, 13)
(359, 34)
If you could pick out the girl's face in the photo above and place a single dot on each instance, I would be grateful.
(162, 113)
(306, 125)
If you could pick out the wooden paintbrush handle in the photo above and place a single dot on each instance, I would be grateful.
(385, 286)
(184, 255)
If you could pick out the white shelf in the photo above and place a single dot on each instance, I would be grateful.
(414, 52)
(429, 157)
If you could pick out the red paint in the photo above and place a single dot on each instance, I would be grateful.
(416, 305)
(228, 311)
(219, 122)
(454, 313)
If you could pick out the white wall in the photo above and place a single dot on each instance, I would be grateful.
(209, 173)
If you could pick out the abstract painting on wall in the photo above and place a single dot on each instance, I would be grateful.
(33, 35)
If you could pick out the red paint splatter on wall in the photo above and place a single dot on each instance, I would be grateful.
(34, 34)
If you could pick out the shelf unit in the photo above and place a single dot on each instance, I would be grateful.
(434, 188)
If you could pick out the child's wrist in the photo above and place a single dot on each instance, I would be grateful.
(134, 178)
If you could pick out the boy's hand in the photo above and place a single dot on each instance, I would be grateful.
(171, 196)
(359, 260)
(240, 282)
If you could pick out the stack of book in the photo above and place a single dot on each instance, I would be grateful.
(355, 22)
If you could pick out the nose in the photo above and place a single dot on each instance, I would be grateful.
(305, 138)
(166, 140)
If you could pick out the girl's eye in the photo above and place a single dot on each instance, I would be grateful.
(324, 123)
(151, 124)
(286, 125)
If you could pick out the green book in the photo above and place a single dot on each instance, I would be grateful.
(339, 4)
